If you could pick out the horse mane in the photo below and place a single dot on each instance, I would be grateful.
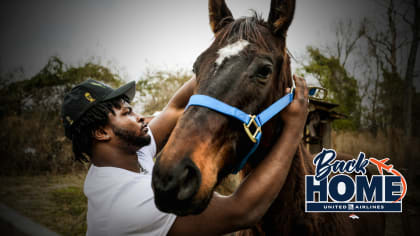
(245, 28)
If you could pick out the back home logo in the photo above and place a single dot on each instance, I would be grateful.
(346, 193)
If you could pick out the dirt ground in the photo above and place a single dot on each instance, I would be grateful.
(56, 202)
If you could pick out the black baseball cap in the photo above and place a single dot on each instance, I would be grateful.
(86, 95)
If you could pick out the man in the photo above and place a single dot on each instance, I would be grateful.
(120, 146)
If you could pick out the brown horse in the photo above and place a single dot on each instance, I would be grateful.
(248, 67)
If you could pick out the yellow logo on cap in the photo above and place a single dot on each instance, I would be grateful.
(69, 120)
(89, 97)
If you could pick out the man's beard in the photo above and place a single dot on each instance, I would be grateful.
(130, 137)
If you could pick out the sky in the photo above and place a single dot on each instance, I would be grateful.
(131, 36)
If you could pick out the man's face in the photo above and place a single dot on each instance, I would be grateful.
(129, 127)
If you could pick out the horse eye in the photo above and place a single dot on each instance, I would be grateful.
(264, 71)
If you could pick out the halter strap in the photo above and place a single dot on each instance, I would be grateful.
(247, 119)
(275, 108)
(216, 105)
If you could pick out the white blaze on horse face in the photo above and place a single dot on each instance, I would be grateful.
(231, 50)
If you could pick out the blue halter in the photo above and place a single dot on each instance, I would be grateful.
(257, 120)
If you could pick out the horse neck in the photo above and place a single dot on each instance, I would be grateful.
(286, 215)
(294, 186)
(288, 202)
(286, 212)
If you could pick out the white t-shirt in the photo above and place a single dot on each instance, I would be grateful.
(121, 202)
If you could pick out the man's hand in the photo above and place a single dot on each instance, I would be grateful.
(294, 115)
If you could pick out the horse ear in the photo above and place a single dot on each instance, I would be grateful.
(219, 14)
(281, 15)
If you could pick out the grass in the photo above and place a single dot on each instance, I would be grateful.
(379, 146)
(54, 201)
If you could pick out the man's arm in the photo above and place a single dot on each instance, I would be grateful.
(254, 196)
(163, 124)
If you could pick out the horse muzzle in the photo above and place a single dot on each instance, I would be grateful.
(176, 186)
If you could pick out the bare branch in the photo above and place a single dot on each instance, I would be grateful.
(395, 11)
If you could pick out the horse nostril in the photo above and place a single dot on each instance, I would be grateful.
(189, 182)
(175, 184)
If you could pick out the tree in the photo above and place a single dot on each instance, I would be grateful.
(32, 138)
(342, 88)
(386, 45)
(46, 89)
(347, 37)
(331, 69)
(395, 48)
(157, 87)
(414, 25)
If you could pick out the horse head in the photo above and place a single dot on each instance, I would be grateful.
(247, 66)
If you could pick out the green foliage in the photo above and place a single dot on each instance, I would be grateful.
(73, 205)
(72, 200)
(157, 87)
(32, 137)
(46, 89)
(55, 201)
(342, 88)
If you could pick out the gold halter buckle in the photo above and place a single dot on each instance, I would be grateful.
(248, 131)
